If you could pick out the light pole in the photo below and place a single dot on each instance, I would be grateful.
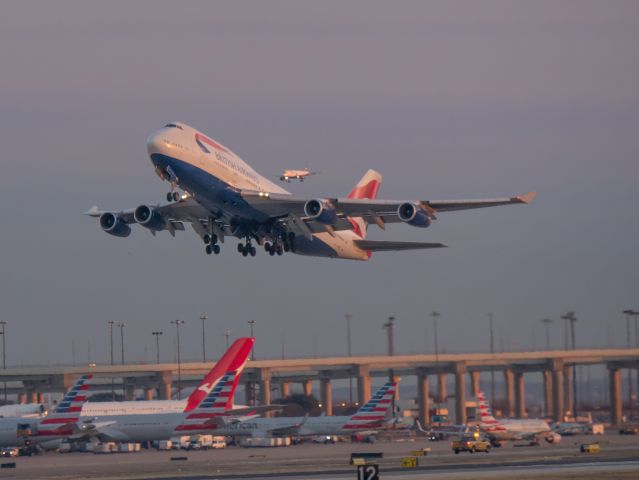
(122, 325)
(203, 317)
(570, 318)
(492, 352)
(4, 353)
(252, 325)
(348, 317)
(434, 314)
(111, 323)
(157, 345)
(177, 324)
(389, 329)
(547, 322)
(227, 334)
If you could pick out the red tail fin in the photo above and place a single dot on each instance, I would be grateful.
(233, 360)
(367, 187)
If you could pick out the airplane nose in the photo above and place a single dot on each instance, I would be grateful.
(155, 143)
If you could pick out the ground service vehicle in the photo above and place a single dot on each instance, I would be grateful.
(471, 444)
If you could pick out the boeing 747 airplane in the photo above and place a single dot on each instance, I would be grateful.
(224, 197)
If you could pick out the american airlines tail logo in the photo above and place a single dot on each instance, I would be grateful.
(201, 140)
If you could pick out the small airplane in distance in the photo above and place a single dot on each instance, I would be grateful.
(300, 175)
(225, 197)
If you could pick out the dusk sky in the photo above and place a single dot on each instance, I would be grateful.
(446, 99)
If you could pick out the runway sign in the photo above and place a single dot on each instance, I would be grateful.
(409, 462)
(368, 472)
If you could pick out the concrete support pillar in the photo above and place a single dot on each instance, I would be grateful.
(363, 384)
(460, 393)
(568, 400)
(442, 395)
(308, 387)
(475, 383)
(547, 393)
(326, 395)
(22, 398)
(423, 397)
(520, 395)
(148, 393)
(509, 378)
(265, 386)
(32, 396)
(285, 389)
(164, 385)
(557, 392)
(614, 383)
(40, 397)
(129, 389)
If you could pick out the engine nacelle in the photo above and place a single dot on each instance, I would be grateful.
(320, 211)
(149, 218)
(413, 215)
(114, 225)
(553, 438)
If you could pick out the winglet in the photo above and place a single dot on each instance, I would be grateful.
(526, 198)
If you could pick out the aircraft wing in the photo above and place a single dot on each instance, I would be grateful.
(374, 211)
(174, 216)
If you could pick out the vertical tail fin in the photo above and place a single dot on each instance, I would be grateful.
(233, 360)
(372, 414)
(367, 187)
(484, 409)
(67, 412)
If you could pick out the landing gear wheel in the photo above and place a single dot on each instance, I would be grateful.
(271, 252)
(206, 238)
(267, 247)
(169, 196)
(286, 247)
(244, 252)
(176, 196)
(240, 247)
(216, 249)
(280, 251)
(213, 239)
(209, 249)
(252, 251)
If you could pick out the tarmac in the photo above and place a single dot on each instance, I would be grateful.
(618, 459)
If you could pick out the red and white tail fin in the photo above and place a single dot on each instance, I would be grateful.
(485, 413)
(232, 361)
(367, 187)
(215, 404)
(373, 414)
(67, 412)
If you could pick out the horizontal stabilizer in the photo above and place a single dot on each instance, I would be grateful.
(389, 246)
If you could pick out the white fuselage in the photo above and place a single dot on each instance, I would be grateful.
(214, 176)
(512, 429)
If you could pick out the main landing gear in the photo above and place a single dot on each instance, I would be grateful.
(273, 248)
(246, 249)
(211, 244)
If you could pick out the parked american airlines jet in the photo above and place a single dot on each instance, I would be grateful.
(240, 349)
(224, 196)
(513, 429)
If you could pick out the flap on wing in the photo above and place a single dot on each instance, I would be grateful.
(388, 246)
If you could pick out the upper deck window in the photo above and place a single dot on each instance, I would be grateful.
(173, 125)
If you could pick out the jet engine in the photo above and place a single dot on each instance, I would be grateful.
(149, 218)
(413, 215)
(553, 438)
(321, 211)
(114, 225)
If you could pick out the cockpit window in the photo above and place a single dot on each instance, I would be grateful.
(173, 125)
